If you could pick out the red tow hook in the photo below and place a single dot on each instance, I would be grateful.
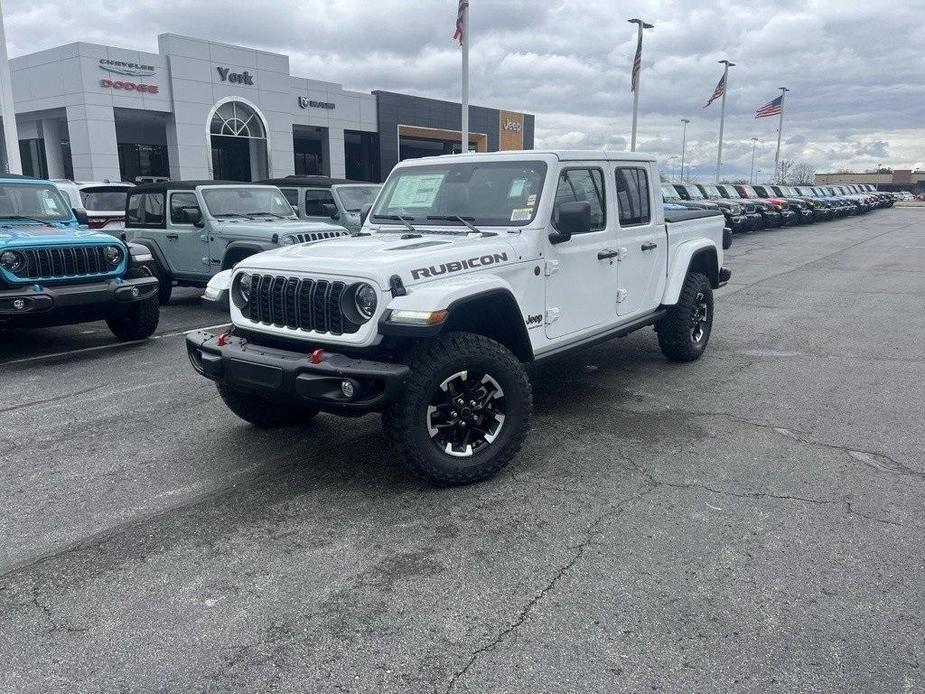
(223, 339)
(316, 356)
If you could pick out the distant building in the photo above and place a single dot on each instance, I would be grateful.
(899, 179)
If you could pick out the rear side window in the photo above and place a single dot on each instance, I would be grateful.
(633, 195)
(145, 210)
(315, 198)
(580, 185)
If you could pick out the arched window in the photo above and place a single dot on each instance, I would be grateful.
(235, 119)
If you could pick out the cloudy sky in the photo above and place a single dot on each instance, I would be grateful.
(856, 69)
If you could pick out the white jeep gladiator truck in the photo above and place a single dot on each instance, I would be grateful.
(467, 268)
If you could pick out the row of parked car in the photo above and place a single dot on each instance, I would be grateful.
(750, 208)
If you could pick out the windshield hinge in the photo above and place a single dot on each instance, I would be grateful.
(552, 315)
(621, 295)
(552, 267)
(622, 253)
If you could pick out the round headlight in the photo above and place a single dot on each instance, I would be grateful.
(244, 287)
(365, 300)
(113, 255)
(12, 261)
(288, 240)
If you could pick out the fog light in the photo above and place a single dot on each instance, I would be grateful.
(346, 387)
(19, 304)
(135, 291)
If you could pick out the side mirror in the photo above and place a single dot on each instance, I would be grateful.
(330, 210)
(80, 214)
(192, 215)
(571, 218)
(364, 213)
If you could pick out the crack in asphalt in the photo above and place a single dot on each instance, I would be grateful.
(56, 398)
(579, 550)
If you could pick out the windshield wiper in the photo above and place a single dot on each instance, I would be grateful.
(267, 214)
(398, 218)
(455, 217)
(230, 214)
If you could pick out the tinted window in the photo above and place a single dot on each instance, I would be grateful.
(181, 201)
(145, 209)
(103, 199)
(292, 195)
(315, 198)
(633, 196)
(579, 185)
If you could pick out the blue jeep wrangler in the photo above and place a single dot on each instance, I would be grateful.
(55, 271)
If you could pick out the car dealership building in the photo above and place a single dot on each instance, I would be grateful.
(200, 110)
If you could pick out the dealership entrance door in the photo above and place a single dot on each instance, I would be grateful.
(239, 143)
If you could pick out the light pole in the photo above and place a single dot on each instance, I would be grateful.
(780, 130)
(7, 108)
(751, 175)
(757, 175)
(637, 69)
(722, 114)
(672, 164)
(684, 121)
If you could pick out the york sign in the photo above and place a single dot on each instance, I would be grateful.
(235, 77)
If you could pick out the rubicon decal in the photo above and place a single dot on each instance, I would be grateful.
(457, 265)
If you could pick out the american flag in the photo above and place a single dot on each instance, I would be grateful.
(459, 36)
(637, 65)
(772, 108)
(719, 91)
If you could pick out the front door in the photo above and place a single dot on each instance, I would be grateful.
(642, 270)
(581, 283)
(186, 246)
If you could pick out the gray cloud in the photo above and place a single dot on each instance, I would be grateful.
(856, 69)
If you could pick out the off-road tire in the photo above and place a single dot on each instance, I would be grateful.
(261, 412)
(676, 331)
(141, 318)
(406, 421)
(164, 283)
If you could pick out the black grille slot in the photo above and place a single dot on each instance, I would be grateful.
(48, 263)
(300, 304)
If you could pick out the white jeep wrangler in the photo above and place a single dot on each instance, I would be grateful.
(467, 267)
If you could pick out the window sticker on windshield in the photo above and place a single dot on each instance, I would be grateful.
(521, 214)
(531, 200)
(416, 191)
(517, 187)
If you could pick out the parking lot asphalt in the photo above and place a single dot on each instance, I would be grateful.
(749, 522)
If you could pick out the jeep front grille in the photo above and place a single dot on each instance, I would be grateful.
(68, 261)
(300, 304)
(304, 237)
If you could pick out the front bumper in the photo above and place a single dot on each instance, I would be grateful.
(737, 222)
(755, 221)
(789, 217)
(289, 377)
(37, 304)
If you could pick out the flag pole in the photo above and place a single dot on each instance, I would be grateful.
(7, 108)
(722, 115)
(464, 145)
(780, 129)
(640, 26)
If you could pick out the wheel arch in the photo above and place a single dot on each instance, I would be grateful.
(237, 251)
(701, 257)
(152, 246)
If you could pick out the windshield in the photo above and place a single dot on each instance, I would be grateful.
(669, 193)
(748, 191)
(484, 193)
(247, 202)
(727, 191)
(694, 192)
(712, 191)
(103, 199)
(33, 201)
(354, 197)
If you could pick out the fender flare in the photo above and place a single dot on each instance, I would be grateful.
(162, 267)
(252, 246)
(455, 296)
(687, 254)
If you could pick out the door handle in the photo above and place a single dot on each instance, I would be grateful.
(607, 253)
(173, 236)
(649, 246)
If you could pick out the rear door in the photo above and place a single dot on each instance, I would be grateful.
(642, 270)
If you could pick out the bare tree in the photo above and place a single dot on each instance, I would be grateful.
(784, 170)
(803, 174)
